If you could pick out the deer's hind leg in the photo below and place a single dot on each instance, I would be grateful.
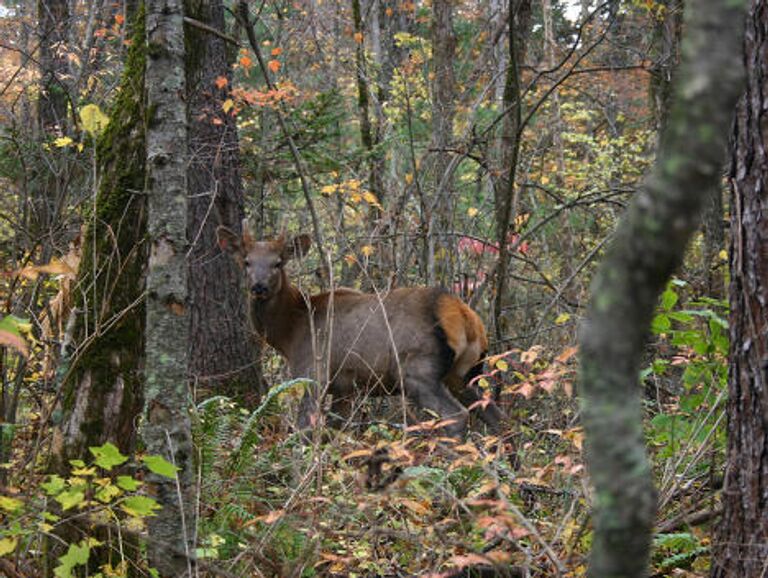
(424, 388)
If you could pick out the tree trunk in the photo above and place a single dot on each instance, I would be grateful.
(649, 244)
(52, 22)
(101, 389)
(167, 430)
(101, 369)
(504, 189)
(223, 351)
(443, 110)
(740, 547)
(52, 172)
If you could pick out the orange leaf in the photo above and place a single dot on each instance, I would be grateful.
(246, 62)
(277, 51)
(221, 82)
(273, 65)
(119, 19)
(359, 37)
(567, 354)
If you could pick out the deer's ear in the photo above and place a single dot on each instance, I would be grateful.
(297, 247)
(229, 241)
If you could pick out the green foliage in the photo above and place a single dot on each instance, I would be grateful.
(694, 370)
(677, 550)
(91, 496)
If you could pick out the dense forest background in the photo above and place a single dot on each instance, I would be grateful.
(487, 147)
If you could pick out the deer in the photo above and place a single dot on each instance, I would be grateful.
(420, 341)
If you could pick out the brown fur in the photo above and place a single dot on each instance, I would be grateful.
(421, 338)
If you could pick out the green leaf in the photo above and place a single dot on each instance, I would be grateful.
(70, 498)
(108, 493)
(54, 485)
(140, 506)
(661, 324)
(160, 466)
(108, 456)
(128, 483)
(77, 555)
(668, 299)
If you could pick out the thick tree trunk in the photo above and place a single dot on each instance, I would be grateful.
(649, 244)
(101, 390)
(167, 430)
(741, 542)
(223, 351)
(443, 112)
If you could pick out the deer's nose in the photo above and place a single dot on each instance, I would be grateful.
(259, 290)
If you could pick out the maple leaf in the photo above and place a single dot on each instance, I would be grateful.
(221, 82)
(273, 65)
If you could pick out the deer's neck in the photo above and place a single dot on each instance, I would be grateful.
(279, 318)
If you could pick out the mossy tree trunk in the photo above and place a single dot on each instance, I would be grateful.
(740, 547)
(167, 429)
(223, 351)
(649, 245)
(101, 382)
(101, 387)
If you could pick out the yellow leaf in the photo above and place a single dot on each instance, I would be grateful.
(8, 545)
(502, 365)
(367, 250)
(371, 199)
(329, 189)
(472, 211)
(62, 141)
(544, 180)
(408, 178)
(94, 121)
(227, 105)
(10, 504)
(723, 255)
(562, 318)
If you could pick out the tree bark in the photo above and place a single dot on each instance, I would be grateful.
(101, 386)
(167, 430)
(223, 351)
(504, 189)
(740, 547)
(649, 245)
(443, 111)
